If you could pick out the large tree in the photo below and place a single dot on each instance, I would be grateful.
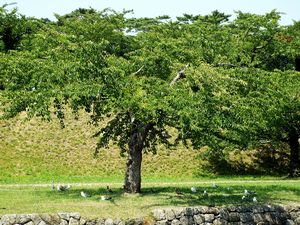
(139, 83)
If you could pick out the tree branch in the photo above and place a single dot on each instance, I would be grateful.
(180, 75)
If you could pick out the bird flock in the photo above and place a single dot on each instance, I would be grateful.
(248, 195)
(83, 194)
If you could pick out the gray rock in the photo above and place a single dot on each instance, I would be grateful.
(179, 212)
(118, 222)
(232, 208)
(234, 217)
(162, 222)
(244, 209)
(246, 217)
(195, 211)
(220, 222)
(290, 222)
(8, 219)
(294, 215)
(65, 216)
(73, 221)
(91, 222)
(100, 222)
(23, 218)
(50, 219)
(188, 212)
(199, 219)
(35, 218)
(137, 221)
(109, 222)
(63, 222)
(159, 214)
(297, 221)
(258, 209)
(42, 223)
(175, 222)
(75, 215)
(184, 220)
(224, 214)
(209, 218)
(203, 209)
(170, 215)
(213, 210)
(29, 223)
(258, 218)
(82, 221)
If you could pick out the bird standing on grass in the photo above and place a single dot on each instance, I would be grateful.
(178, 192)
(61, 187)
(83, 194)
(214, 185)
(205, 194)
(194, 189)
(108, 190)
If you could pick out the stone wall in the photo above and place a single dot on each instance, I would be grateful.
(234, 215)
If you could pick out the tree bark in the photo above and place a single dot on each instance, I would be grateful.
(294, 156)
(134, 160)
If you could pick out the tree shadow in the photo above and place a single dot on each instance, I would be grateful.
(183, 196)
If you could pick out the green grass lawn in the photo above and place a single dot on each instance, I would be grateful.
(155, 194)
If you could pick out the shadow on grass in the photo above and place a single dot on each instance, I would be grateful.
(183, 196)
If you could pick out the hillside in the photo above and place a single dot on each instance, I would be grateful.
(38, 150)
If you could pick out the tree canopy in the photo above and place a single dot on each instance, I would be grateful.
(219, 83)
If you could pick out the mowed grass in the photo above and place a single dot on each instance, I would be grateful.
(32, 199)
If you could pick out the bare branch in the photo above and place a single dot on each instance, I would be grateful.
(180, 75)
(139, 70)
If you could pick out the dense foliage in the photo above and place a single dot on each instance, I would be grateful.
(236, 88)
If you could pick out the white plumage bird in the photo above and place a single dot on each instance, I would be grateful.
(61, 187)
(194, 189)
(83, 194)
(214, 185)
(205, 194)
(254, 199)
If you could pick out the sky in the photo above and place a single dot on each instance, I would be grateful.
(153, 8)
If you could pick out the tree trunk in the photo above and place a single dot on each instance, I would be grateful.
(134, 160)
(294, 157)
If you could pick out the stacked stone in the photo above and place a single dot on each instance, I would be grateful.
(61, 219)
(234, 215)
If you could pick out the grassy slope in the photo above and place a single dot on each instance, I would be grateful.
(37, 151)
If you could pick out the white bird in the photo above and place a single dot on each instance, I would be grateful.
(244, 197)
(214, 185)
(61, 187)
(205, 194)
(103, 198)
(254, 199)
(248, 192)
(83, 194)
(194, 189)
